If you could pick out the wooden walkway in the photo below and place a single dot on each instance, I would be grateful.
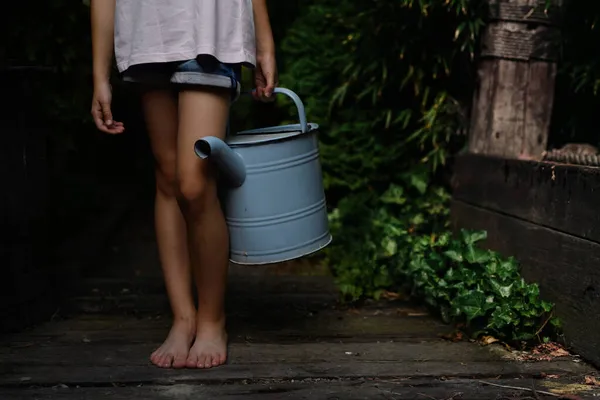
(289, 340)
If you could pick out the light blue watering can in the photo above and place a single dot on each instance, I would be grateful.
(274, 202)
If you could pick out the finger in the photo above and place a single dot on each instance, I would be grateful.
(112, 130)
(115, 128)
(107, 114)
(257, 93)
(270, 85)
(98, 120)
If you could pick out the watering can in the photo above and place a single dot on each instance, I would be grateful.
(273, 197)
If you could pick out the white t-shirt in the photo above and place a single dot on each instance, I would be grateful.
(154, 31)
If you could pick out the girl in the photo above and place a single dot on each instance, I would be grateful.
(186, 55)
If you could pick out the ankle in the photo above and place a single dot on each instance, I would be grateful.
(217, 319)
(185, 318)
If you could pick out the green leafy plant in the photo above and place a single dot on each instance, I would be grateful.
(373, 233)
(401, 241)
(390, 82)
(478, 287)
(383, 78)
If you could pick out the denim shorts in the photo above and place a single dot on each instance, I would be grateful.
(202, 71)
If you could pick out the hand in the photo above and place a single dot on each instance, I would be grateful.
(101, 112)
(265, 76)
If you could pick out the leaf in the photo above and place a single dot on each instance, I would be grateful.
(454, 255)
(475, 255)
(471, 304)
(591, 380)
(487, 340)
(419, 182)
(394, 195)
(389, 246)
(503, 290)
(472, 237)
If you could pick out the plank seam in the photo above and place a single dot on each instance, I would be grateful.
(516, 217)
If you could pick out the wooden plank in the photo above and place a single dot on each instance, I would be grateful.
(313, 389)
(17, 375)
(136, 354)
(483, 98)
(513, 100)
(539, 103)
(240, 282)
(565, 267)
(285, 326)
(152, 304)
(245, 292)
(509, 119)
(559, 196)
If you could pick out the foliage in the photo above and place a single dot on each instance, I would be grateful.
(407, 241)
(383, 78)
(373, 241)
(389, 82)
(478, 286)
(377, 74)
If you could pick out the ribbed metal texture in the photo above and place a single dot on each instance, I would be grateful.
(279, 213)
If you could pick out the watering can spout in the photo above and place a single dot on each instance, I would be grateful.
(229, 163)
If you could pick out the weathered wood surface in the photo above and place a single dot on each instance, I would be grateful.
(315, 389)
(512, 108)
(559, 196)
(513, 102)
(565, 267)
(289, 340)
(290, 325)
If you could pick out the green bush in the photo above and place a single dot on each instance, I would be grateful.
(390, 82)
(378, 76)
(384, 79)
(400, 240)
(467, 283)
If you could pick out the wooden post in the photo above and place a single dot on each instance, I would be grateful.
(513, 103)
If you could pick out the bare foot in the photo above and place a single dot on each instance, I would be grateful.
(175, 349)
(210, 347)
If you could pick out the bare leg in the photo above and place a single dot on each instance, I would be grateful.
(204, 113)
(160, 108)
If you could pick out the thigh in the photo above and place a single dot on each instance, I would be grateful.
(161, 115)
(202, 112)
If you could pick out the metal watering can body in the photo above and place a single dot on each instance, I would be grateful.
(274, 201)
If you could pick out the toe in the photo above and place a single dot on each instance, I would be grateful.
(202, 361)
(192, 361)
(167, 361)
(158, 360)
(155, 357)
(208, 361)
(180, 361)
(215, 361)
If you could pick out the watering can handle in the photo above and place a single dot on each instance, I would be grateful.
(299, 105)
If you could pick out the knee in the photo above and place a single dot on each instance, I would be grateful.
(166, 177)
(195, 195)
